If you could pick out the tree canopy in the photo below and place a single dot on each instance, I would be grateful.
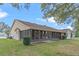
(18, 5)
(61, 11)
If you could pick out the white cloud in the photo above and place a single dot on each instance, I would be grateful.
(51, 20)
(69, 27)
(3, 14)
(41, 19)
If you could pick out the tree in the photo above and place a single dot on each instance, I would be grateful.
(4, 28)
(61, 11)
(18, 5)
(7, 31)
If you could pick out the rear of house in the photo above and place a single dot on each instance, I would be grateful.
(21, 29)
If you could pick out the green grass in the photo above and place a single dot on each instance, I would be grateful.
(61, 47)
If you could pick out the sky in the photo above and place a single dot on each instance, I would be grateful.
(34, 15)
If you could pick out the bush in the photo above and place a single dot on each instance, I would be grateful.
(64, 37)
(77, 34)
(26, 40)
(9, 37)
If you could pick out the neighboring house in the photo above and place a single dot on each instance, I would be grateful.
(21, 29)
(3, 35)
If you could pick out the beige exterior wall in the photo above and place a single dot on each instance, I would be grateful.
(15, 33)
(18, 26)
(69, 34)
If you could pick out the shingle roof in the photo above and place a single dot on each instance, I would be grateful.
(39, 27)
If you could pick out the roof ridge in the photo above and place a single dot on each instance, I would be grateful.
(32, 23)
(38, 26)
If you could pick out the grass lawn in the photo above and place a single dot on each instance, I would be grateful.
(60, 47)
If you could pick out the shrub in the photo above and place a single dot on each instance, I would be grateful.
(10, 37)
(77, 34)
(26, 40)
(64, 37)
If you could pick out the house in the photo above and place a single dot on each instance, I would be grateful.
(3, 35)
(21, 29)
